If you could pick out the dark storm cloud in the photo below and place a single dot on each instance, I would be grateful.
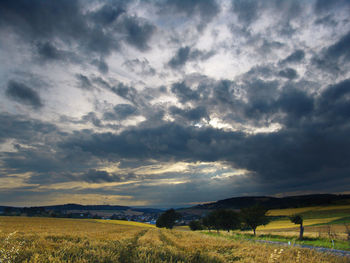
(185, 54)
(340, 49)
(336, 57)
(325, 6)
(48, 51)
(24, 130)
(288, 73)
(94, 176)
(183, 92)
(334, 106)
(99, 32)
(195, 114)
(206, 9)
(91, 117)
(295, 57)
(108, 13)
(23, 94)
(138, 32)
(246, 10)
(101, 65)
(121, 112)
(291, 154)
(296, 103)
(124, 91)
(84, 82)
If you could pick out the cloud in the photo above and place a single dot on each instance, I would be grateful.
(101, 65)
(183, 92)
(95, 176)
(138, 31)
(25, 130)
(340, 48)
(205, 9)
(247, 11)
(185, 54)
(288, 73)
(121, 112)
(195, 114)
(335, 57)
(84, 82)
(23, 94)
(142, 67)
(295, 57)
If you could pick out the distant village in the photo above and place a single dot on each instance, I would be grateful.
(127, 215)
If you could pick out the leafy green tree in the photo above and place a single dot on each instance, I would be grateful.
(228, 219)
(211, 221)
(254, 216)
(206, 223)
(168, 218)
(222, 219)
(298, 220)
(195, 225)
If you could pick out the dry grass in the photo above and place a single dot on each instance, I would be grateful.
(73, 240)
(123, 222)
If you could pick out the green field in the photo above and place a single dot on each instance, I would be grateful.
(34, 240)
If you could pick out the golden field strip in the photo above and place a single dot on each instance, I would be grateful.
(24, 239)
(316, 209)
(286, 223)
(123, 222)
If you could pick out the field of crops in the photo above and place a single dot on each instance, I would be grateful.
(72, 240)
(332, 210)
(319, 222)
(286, 223)
(124, 222)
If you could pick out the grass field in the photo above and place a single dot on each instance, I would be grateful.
(25, 239)
(124, 222)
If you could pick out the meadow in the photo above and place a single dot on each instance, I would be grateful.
(24, 239)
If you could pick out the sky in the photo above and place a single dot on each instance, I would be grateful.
(172, 103)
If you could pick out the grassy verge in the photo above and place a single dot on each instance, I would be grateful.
(316, 242)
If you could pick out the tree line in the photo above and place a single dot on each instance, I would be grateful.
(221, 219)
(224, 219)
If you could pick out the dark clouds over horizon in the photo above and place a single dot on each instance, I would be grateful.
(167, 103)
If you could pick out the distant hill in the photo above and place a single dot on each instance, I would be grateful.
(85, 211)
(85, 207)
(268, 202)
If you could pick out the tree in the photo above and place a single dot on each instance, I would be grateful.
(222, 219)
(297, 219)
(228, 219)
(206, 223)
(195, 225)
(254, 216)
(168, 218)
(211, 221)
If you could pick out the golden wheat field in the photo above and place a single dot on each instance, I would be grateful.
(316, 209)
(24, 239)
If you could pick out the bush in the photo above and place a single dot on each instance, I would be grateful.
(195, 225)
